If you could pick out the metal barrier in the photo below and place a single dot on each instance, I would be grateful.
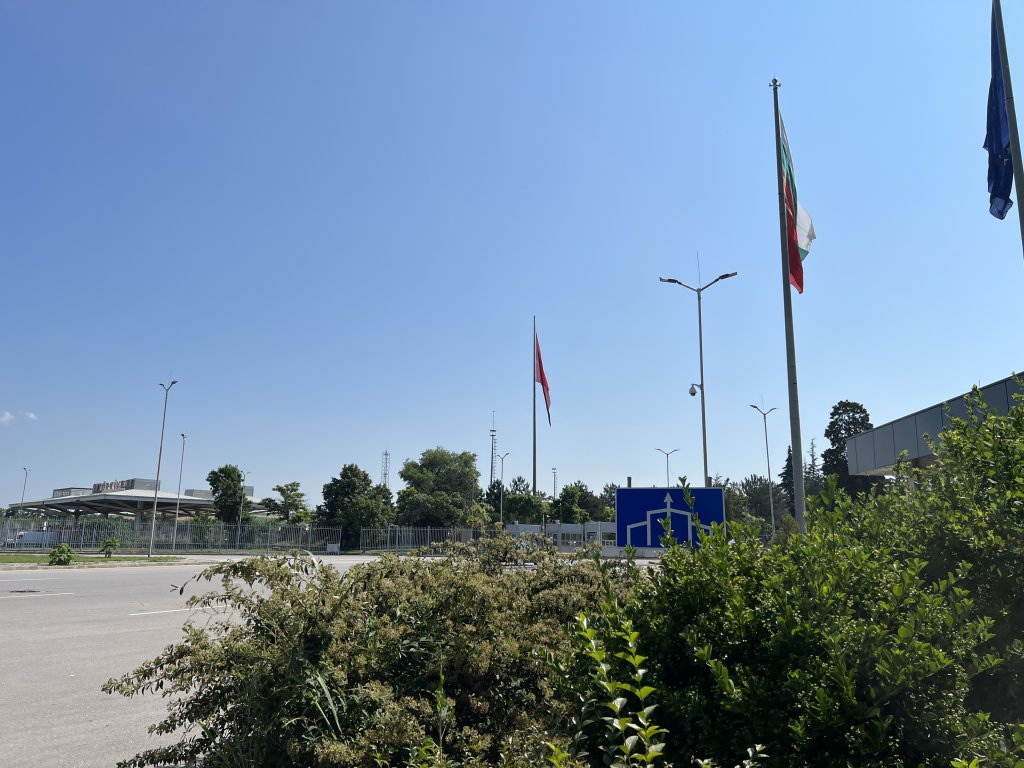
(566, 536)
(188, 536)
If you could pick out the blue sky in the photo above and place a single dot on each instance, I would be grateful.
(333, 223)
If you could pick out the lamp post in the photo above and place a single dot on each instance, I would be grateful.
(501, 495)
(700, 342)
(159, 460)
(177, 503)
(768, 459)
(241, 511)
(23, 484)
(667, 454)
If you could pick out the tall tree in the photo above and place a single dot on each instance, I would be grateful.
(848, 418)
(755, 489)
(291, 507)
(519, 484)
(228, 495)
(786, 481)
(441, 489)
(352, 502)
(814, 477)
(568, 507)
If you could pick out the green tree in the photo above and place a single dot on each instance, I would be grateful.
(520, 485)
(524, 508)
(759, 505)
(568, 508)
(441, 489)
(814, 477)
(291, 507)
(735, 501)
(352, 502)
(228, 495)
(607, 499)
(848, 418)
(786, 481)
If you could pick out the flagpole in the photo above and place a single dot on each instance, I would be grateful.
(799, 502)
(1011, 114)
(533, 386)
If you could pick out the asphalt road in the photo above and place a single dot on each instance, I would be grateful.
(63, 633)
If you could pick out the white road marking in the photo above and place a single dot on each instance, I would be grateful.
(150, 613)
(44, 578)
(42, 594)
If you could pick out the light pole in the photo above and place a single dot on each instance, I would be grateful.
(241, 511)
(501, 496)
(159, 460)
(768, 458)
(23, 484)
(177, 503)
(667, 454)
(700, 343)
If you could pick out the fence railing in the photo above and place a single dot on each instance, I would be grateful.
(266, 536)
(187, 536)
(564, 535)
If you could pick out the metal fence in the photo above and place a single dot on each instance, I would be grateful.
(188, 536)
(266, 535)
(565, 535)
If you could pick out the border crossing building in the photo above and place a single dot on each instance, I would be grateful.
(876, 451)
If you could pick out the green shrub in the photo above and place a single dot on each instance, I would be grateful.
(62, 555)
(110, 545)
(314, 668)
(835, 648)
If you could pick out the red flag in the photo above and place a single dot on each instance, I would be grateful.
(538, 375)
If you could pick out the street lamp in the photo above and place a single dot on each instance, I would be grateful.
(159, 460)
(241, 511)
(501, 496)
(23, 484)
(177, 503)
(667, 454)
(700, 342)
(768, 458)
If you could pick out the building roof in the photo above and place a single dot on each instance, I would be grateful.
(876, 451)
(125, 502)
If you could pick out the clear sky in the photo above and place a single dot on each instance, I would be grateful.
(332, 222)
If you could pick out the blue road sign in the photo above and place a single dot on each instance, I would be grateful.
(639, 512)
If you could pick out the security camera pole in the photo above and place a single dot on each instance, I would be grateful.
(700, 342)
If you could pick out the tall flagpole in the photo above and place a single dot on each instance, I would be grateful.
(533, 386)
(799, 502)
(1011, 114)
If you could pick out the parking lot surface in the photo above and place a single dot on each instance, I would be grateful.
(63, 633)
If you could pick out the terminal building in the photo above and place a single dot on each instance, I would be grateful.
(124, 498)
(876, 451)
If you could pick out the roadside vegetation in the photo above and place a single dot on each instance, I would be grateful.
(82, 559)
(888, 635)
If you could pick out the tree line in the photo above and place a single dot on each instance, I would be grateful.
(442, 489)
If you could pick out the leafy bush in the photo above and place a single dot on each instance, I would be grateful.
(889, 634)
(62, 555)
(314, 668)
(109, 545)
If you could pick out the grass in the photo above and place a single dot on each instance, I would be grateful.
(22, 557)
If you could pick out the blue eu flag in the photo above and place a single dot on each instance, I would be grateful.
(997, 137)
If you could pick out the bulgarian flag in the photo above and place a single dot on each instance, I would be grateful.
(799, 227)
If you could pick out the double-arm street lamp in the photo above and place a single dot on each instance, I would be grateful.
(700, 343)
(159, 460)
(501, 496)
(768, 458)
(667, 454)
(177, 503)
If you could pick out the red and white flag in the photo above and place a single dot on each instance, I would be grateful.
(538, 375)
